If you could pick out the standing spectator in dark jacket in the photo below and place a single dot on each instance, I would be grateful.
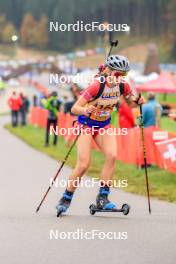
(24, 109)
(52, 104)
(14, 103)
(35, 100)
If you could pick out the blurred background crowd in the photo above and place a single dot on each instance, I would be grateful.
(30, 53)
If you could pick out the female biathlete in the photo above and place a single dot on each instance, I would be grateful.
(96, 113)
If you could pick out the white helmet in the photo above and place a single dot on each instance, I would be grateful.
(118, 63)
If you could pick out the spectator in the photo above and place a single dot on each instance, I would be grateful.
(24, 109)
(2, 86)
(35, 100)
(42, 99)
(151, 111)
(76, 91)
(52, 104)
(67, 107)
(14, 103)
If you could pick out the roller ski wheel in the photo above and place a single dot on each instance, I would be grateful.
(125, 209)
(92, 209)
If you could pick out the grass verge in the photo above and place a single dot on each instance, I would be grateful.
(4, 114)
(162, 182)
(168, 124)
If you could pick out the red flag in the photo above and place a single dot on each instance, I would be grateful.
(167, 153)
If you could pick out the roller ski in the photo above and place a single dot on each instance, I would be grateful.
(64, 203)
(103, 204)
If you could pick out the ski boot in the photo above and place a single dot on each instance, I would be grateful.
(64, 203)
(102, 201)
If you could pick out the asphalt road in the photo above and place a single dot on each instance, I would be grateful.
(25, 235)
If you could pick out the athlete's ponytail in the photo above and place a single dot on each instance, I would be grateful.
(101, 68)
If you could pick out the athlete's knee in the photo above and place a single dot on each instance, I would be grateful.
(83, 166)
(111, 157)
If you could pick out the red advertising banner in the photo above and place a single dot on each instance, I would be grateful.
(160, 145)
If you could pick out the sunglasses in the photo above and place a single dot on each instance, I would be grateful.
(118, 74)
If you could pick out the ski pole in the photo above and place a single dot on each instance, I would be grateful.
(113, 44)
(61, 166)
(145, 156)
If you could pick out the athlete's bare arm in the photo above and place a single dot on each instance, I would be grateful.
(130, 96)
(134, 101)
(80, 108)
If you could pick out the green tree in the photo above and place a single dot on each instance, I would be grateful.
(8, 31)
(172, 7)
(41, 33)
(27, 31)
(3, 23)
(145, 17)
